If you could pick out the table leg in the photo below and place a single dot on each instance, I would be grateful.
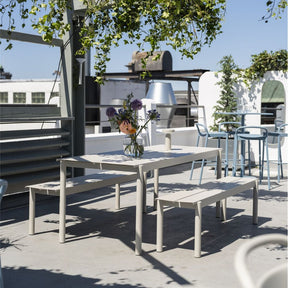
(242, 158)
(219, 175)
(156, 187)
(139, 210)
(242, 143)
(226, 155)
(197, 232)
(62, 203)
(145, 193)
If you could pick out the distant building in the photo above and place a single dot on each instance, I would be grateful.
(4, 75)
(29, 91)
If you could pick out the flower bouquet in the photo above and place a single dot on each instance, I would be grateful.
(126, 120)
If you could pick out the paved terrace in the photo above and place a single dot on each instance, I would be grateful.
(99, 251)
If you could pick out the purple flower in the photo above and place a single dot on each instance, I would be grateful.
(110, 112)
(153, 115)
(136, 104)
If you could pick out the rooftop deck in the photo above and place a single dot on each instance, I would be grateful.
(99, 251)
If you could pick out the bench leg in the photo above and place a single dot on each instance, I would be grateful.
(255, 204)
(159, 229)
(221, 209)
(32, 195)
(218, 209)
(224, 205)
(219, 165)
(156, 187)
(198, 218)
(117, 196)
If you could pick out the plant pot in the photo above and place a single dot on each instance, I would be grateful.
(133, 147)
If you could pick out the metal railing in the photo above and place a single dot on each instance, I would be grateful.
(191, 113)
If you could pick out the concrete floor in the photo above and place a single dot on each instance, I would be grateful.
(99, 251)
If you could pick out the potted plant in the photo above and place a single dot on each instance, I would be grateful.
(227, 103)
(126, 120)
(228, 100)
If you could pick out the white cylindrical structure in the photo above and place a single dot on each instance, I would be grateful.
(162, 93)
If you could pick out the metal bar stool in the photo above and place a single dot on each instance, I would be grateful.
(277, 124)
(243, 133)
(203, 132)
(279, 134)
(232, 124)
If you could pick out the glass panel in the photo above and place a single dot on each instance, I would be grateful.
(38, 97)
(273, 92)
(3, 97)
(19, 97)
(54, 94)
(273, 101)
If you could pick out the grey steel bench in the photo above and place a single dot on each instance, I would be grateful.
(77, 185)
(204, 195)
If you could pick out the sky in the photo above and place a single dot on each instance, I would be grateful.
(243, 35)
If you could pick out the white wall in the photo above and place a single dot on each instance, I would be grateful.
(209, 93)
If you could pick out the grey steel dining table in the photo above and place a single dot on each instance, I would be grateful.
(243, 114)
(154, 158)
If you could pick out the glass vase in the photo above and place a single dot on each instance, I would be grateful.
(133, 146)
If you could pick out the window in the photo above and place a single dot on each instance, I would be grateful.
(54, 94)
(38, 97)
(19, 97)
(3, 97)
(273, 101)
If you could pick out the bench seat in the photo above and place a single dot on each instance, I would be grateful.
(212, 192)
(76, 185)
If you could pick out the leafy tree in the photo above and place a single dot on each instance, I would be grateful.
(184, 25)
(231, 75)
(275, 8)
(263, 62)
(227, 101)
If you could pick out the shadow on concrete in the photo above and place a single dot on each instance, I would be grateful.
(24, 277)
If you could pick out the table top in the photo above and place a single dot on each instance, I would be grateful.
(154, 157)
